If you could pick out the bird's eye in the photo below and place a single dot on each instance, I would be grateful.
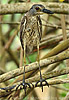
(37, 8)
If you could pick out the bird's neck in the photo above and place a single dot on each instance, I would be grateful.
(29, 14)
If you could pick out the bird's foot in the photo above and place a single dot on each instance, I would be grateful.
(24, 86)
(41, 81)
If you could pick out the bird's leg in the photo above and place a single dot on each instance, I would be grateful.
(41, 80)
(24, 84)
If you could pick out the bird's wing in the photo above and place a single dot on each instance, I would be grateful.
(22, 28)
(39, 25)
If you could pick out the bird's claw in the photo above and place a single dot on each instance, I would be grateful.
(24, 86)
(41, 85)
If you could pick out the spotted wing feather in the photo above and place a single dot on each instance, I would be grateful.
(39, 25)
(22, 29)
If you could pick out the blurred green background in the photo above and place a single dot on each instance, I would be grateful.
(8, 64)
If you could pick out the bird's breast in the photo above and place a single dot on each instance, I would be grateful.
(31, 32)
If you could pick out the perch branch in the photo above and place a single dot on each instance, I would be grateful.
(58, 81)
(46, 76)
(30, 67)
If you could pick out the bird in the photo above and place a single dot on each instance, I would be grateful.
(30, 36)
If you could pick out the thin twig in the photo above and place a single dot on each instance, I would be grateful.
(11, 53)
(10, 23)
(54, 26)
(8, 44)
(64, 34)
(48, 25)
(63, 27)
(66, 21)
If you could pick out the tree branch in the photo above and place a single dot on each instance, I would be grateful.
(51, 82)
(30, 67)
(45, 76)
(57, 49)
(62, 8)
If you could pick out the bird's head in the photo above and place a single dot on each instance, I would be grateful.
(38, 9)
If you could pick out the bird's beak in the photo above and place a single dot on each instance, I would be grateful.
(46, 11)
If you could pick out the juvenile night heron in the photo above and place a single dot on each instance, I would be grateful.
(30, 36)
